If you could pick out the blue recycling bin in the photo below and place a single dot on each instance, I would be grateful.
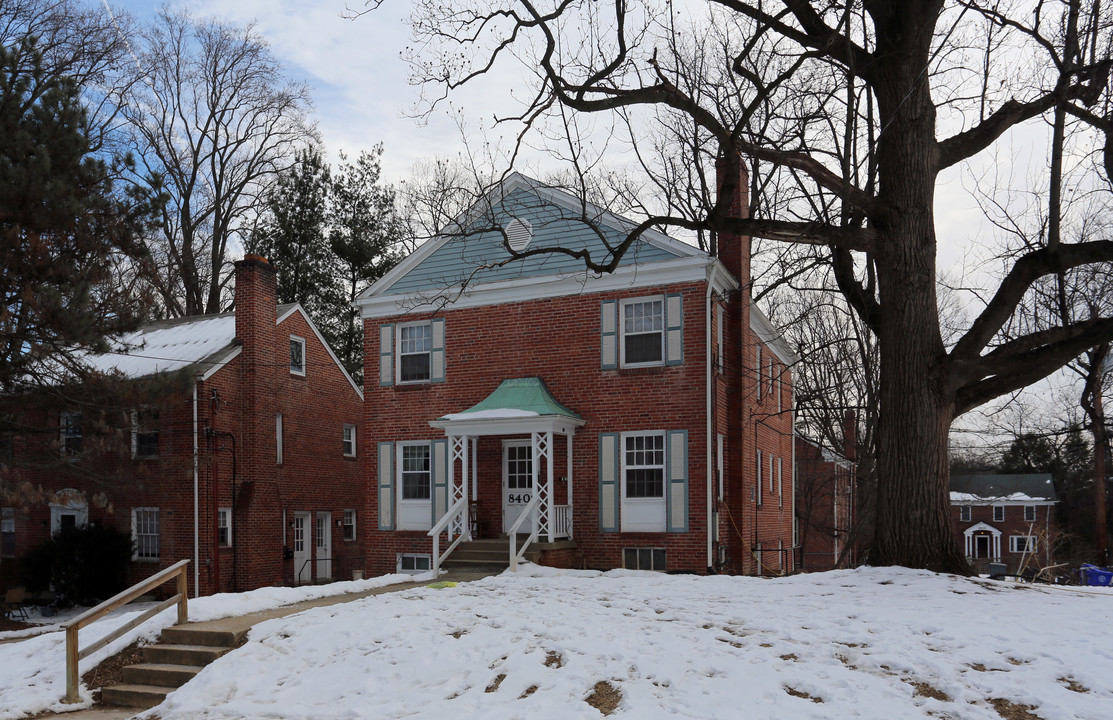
(1094, 575)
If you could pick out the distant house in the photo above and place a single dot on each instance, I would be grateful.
(825, 498)
(244, 458)
(1003, 518)
(639, 419)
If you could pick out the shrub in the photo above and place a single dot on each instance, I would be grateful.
(81, 564)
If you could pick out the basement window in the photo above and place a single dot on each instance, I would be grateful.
(644, 559)
(414, 564)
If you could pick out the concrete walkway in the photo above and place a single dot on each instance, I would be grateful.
(243, 623)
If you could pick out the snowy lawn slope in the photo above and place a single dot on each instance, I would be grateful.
(33, 670)
(870, 643)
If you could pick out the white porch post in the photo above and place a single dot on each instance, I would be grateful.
(550, 506)
(459, 490)
(568, 478)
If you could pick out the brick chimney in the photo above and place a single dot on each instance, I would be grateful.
(260, 360)
(850, 435)
(734, 250)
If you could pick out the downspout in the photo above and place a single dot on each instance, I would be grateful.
(792, 470)
(196, 511)
(709, 443)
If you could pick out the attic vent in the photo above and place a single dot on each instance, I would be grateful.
(518, 233)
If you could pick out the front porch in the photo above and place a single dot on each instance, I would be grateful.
(535, 505)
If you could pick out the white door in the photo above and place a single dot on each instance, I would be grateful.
(303, 573)
(324, 546)
(415, 486)
(517, 483)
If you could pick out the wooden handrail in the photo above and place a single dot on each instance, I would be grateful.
(74, 654)
(527, 511)
(455, 511)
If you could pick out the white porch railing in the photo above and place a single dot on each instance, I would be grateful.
(458, 512)
(563, 522)
(527, 512)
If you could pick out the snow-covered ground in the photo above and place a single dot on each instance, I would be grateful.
(33, 670)
(870, 643)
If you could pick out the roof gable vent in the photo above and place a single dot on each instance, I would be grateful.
(518, 234)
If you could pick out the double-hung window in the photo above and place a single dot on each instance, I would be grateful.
(349, 524)
(998, 513)
(144, 530)
(1029, 513)
(643, 332)
(297, 355)
(144, 433)
(415, 472)
(224, 527)
(7, 532)
(71, 434)
(1022, 543)
(964, 513)
(415, 347)
(643, 482)
(349, 440)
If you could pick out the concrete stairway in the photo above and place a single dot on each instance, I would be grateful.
(486, 554)
(178, 656)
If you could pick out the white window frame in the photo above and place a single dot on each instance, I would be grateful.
(640, 514)
(224, 522)
(349, 525)
(772, 476)
(780, 485)
(7, 531)
(650, 553)
(413, 513)
(135, 416)
(758, 374)
(349, 441)
(964, 513)
(294, 370)
(398, 354)
(1029, 510)
(622, 333)
(403, 558)
(1016, 546)
(278, 428)
(998, 513)
(68, 430)
(141, 529)
(720, 444)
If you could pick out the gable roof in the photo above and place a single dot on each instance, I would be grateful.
(206, 342)
(472, 253)
(1037, 487)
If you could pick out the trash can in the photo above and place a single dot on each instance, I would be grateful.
(1094, 575)
(357, 574)
(997, 569)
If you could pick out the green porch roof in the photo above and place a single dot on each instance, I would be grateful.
(519, 396)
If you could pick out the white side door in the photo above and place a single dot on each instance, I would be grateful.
(303, 573)
(517, 483)
(324, 546)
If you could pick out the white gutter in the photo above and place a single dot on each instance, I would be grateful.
(196, 520)
(710, 465)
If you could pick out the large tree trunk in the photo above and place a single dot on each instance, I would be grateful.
(913, 526)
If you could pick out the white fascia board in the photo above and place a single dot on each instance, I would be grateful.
(546, 286)
(721, 279)
(773, 339)
(232, 354)
(321, 339)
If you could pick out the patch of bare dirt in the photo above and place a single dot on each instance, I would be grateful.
(790, 656)
(553, 659)
(528, 691)
(495, 683)
(110, 671)
(1013, 711)
(604, 697)
(1074, 685)
(7, 624)
(922, 689)
(801, 694)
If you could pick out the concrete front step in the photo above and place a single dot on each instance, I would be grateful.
(182, 654)
(136, 696)
(161, 674)
(185, 635)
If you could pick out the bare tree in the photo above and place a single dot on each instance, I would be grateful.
(214, 119)
(928, 85)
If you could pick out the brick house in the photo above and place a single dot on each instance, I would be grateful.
(1004, 518)
(640, 418)
(273, 493)
(825, 503)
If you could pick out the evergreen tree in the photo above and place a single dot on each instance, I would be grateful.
(65, 230)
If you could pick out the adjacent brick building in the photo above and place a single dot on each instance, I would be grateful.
(643, 417)
(1005, 519)
(825, 500)
(240, 451)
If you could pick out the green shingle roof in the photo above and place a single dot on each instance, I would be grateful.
(524, 395)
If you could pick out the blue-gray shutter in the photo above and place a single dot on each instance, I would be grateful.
(386, 355)
(439, 470)
(436, 356)
(386, 486)
(676, 464)
(609, 479)
(608, 341)
(674, 329)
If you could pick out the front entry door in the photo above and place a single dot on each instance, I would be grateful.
(324, 546)
(303, 573)
(517, 483)
(981, 546)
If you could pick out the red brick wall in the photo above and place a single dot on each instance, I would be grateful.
(823, 508)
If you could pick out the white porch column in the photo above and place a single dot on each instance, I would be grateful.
(568, 478)
(459, 490)
(550, 508)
